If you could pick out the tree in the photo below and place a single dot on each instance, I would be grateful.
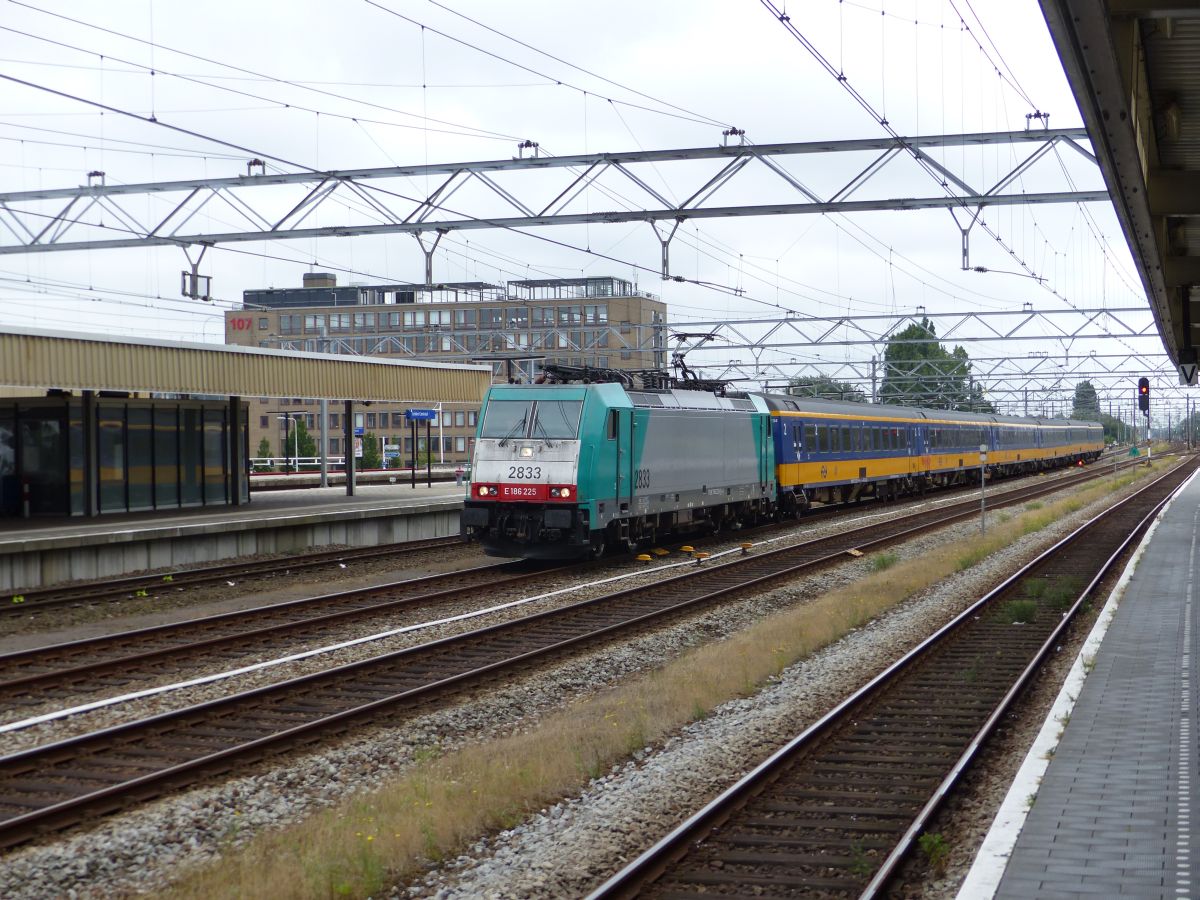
(370, 458)
(1087, 404)
(264, 452)
(824, 388)
(919, 371)
(298, 437)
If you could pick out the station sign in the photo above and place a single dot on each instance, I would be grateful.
(1187, 373)
(420, 415)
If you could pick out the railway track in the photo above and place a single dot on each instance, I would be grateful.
(40, 600)
(835, 811)
(60, 784)
(33, 677)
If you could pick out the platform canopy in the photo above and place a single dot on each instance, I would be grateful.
(1132, 66)
(31, 359)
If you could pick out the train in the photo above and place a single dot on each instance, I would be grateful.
(563, 471)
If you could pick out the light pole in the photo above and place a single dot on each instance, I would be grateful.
(324, 414)
(286, 418)
(982, 489)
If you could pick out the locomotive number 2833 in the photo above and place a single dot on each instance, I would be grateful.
(524, 471)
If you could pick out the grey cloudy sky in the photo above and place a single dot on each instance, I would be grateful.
(356, 83)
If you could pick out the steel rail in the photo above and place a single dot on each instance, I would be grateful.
(62, 783)
(24, 602)
(719, 817)
(57, 668)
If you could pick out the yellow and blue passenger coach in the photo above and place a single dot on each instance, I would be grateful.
(830, 452)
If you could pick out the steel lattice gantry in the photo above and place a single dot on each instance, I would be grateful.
(781, 349)
(276, 206)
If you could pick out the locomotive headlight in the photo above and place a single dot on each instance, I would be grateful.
(483, 490)
(526, 453)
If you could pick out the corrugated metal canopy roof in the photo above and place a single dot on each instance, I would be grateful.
(1133, 66)
(72, 361)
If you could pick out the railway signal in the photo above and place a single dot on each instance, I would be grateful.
(1144, 395)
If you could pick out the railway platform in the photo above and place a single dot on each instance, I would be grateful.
(1113, 797)
(38, 552)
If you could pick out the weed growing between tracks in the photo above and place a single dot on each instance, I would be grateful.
(445, 802)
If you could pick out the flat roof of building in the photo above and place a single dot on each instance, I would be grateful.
(31, 358)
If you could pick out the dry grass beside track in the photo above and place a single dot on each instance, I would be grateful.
(443, 803)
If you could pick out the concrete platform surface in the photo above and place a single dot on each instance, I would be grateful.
(1112, 814)
(39, 552)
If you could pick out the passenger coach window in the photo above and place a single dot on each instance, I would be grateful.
(810, 438)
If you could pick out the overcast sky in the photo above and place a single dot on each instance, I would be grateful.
(362, 84)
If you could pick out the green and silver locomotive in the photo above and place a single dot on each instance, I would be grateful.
(565, 471)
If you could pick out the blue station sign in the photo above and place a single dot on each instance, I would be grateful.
(420, 415)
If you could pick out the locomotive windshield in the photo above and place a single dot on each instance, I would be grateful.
(546, 419)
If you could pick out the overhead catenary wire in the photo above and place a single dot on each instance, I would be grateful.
(276, 80)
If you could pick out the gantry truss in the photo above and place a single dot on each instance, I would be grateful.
(1109, 347)
(500, 194)
(774, 351)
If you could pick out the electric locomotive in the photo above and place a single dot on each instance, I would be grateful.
(565, 471)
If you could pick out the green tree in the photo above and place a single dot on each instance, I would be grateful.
(919, 371)
(298, 441)
(264, 452)
(1087, 404)
(370, 458)
(825, 389)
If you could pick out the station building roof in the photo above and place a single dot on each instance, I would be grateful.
(33, 359)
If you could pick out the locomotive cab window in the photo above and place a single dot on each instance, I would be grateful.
(556, 419)
(545, 419)
(506, 418)
(612, 424)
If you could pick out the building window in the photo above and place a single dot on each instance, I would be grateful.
(518, 317)
(262, 421)
(472, 418)
(364, 321)
(460, 445)
(290, 324)
(460, 419)
(490, 317)
(314, 323)
(335, 445)
(568, 315)
(370, 420)
(464, 318)
(595, 315)
(334, 419)
(414, 318)
(262, 325)
(397, 420)
(438, 317)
